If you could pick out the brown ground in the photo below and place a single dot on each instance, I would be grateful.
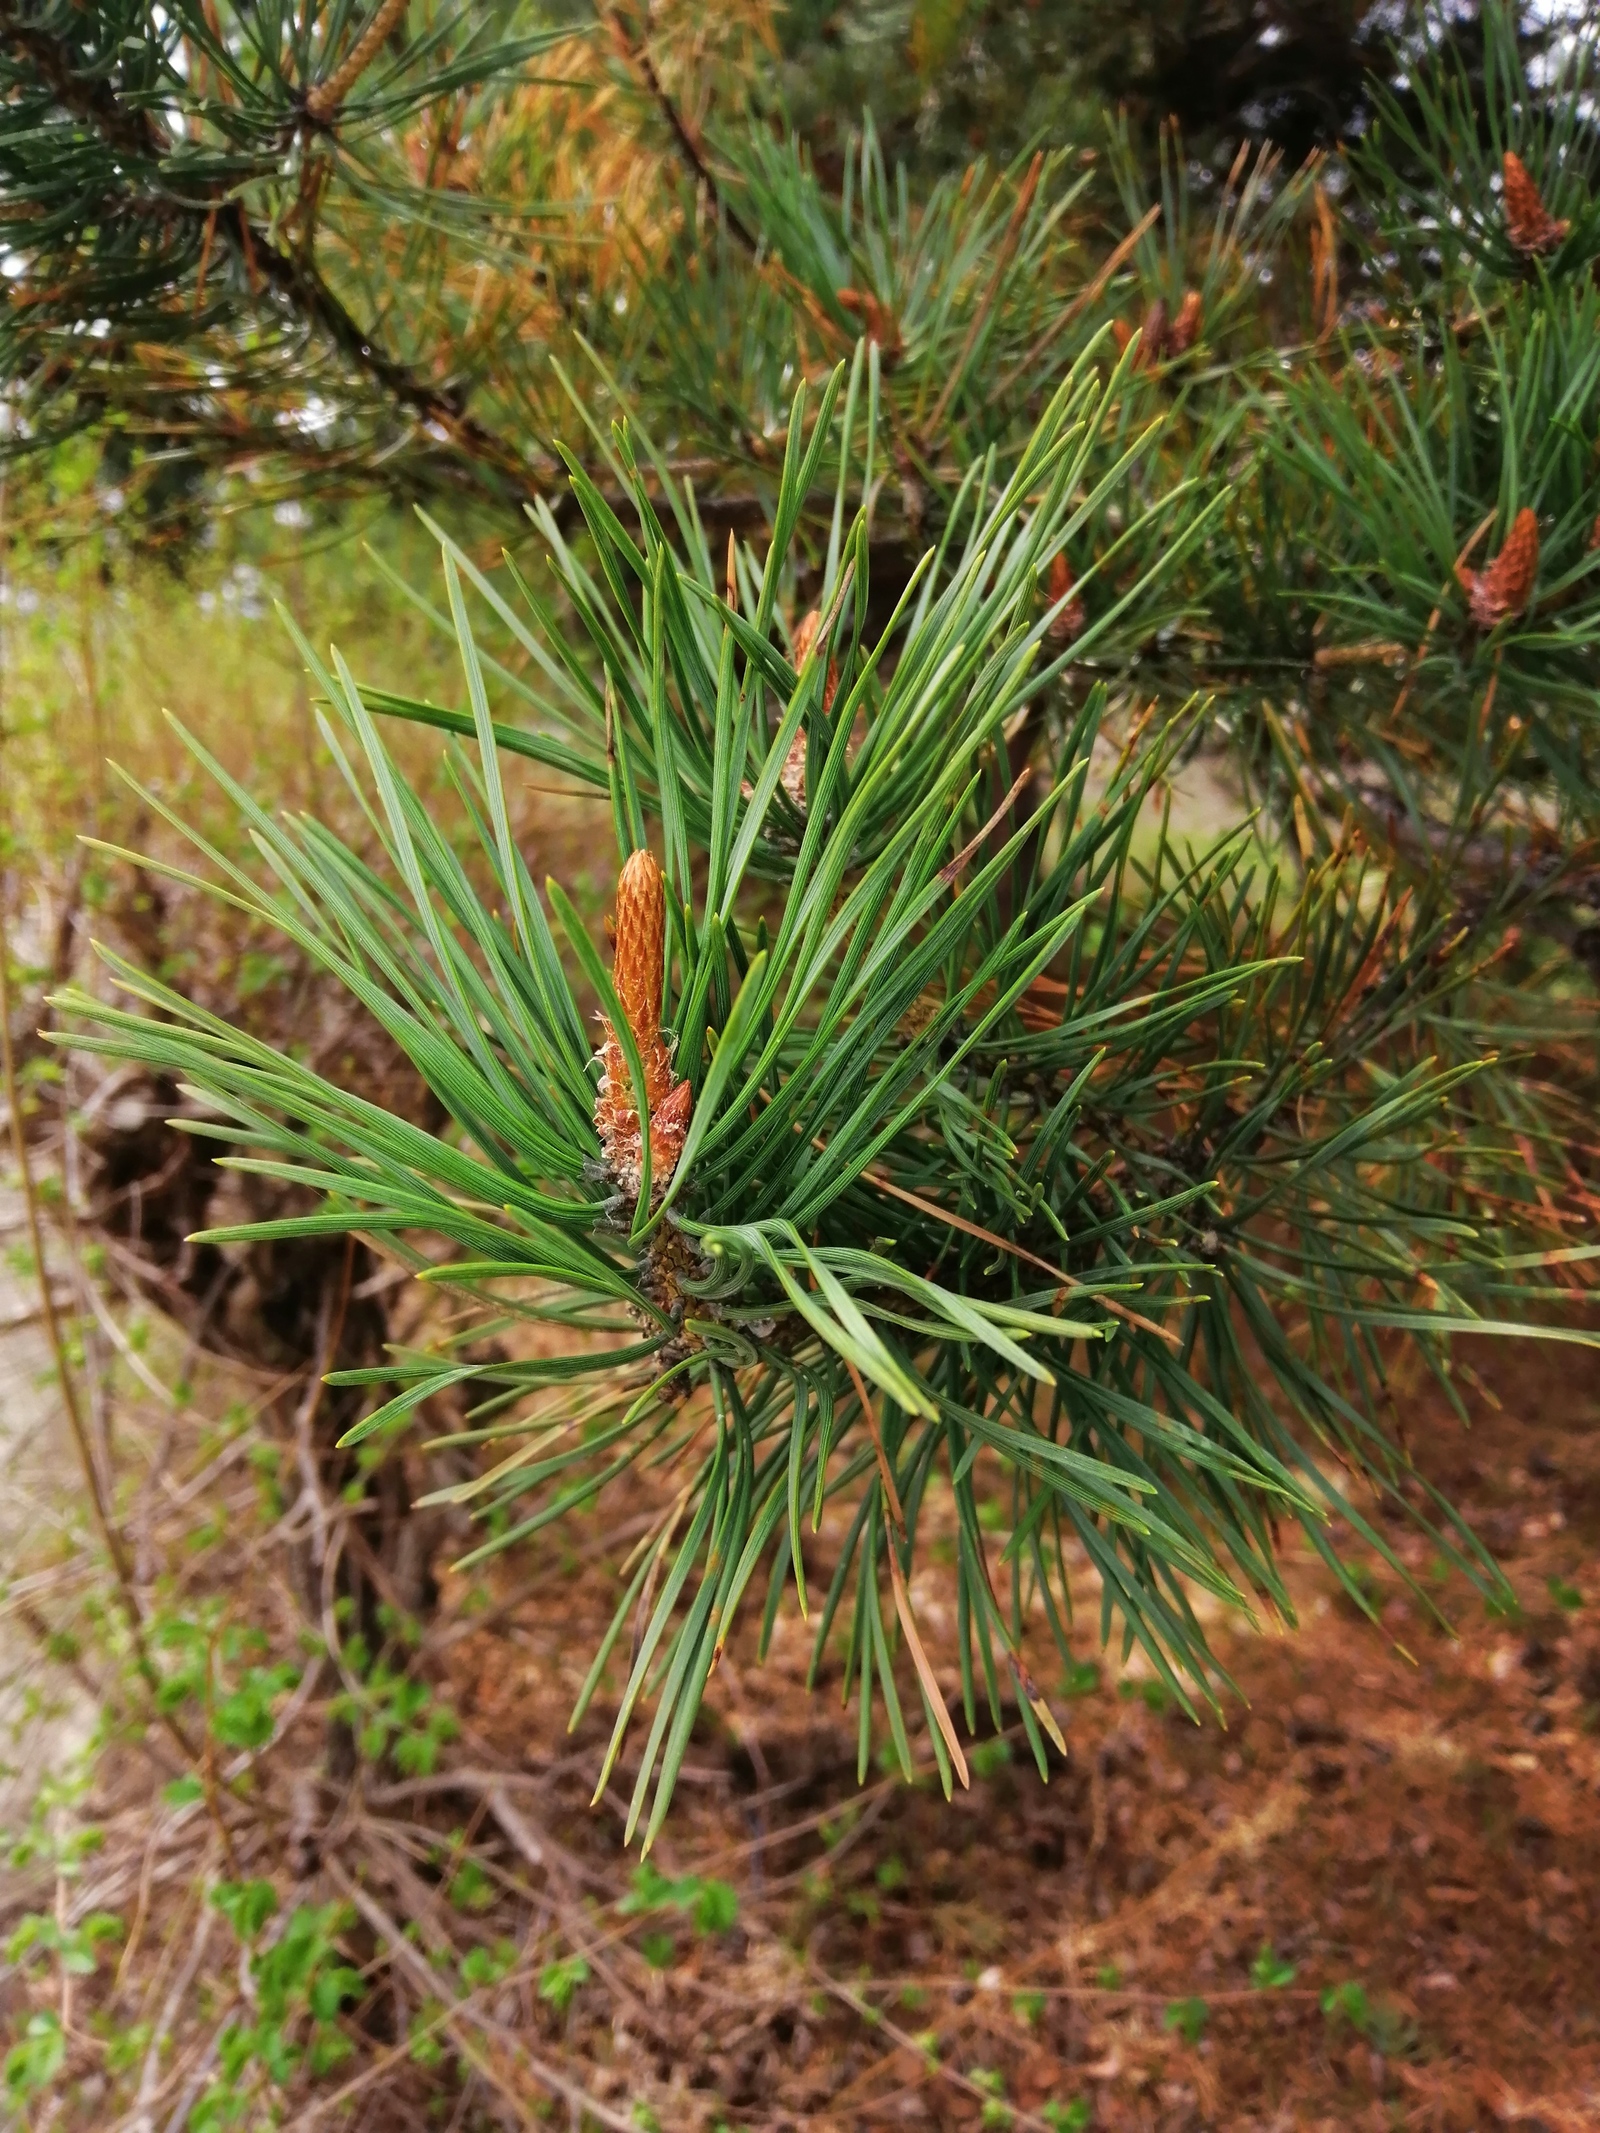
(1419, 1836)
(1425, 1828)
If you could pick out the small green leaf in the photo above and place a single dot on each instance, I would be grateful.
(558, 1981)
(425, 2047)
(1348, 2002)
(1188, 2017)
(1067, 2117)
(990, 1757)
(33, 2064)
(1269, 1971)
(471, 1888)
(246, 1905)
(715, 1907)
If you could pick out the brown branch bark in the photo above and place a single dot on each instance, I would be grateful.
(324, 98)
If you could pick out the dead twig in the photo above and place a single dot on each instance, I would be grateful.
(538, 1848)
(65, 1375)
(1081, 302)
(849, 1997)
(150, 2084)
(464, 2022)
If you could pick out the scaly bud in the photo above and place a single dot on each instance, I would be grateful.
(1529, 223)
(793, 774)
(877, 323)
(1503, 590)
(1152, 336)
(1069, 622)
(640, 934)
(1159, 338)
(641, 940)
(1186, 326)
(805, 636)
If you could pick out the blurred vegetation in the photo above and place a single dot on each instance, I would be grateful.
(948, 78)
(103, 640)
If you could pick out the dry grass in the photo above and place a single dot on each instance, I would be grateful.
(97, 658)
(99, 646)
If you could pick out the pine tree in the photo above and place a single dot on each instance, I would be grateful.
(936, 1105)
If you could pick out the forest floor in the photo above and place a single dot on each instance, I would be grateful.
(1371, 1900)
(1408, 1821)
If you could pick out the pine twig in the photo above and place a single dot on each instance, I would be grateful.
(140, 137)
(324, 98)
(690, 146)
(958, 370)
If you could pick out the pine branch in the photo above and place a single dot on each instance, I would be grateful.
(636, 55)
(139, 137)
(1251, 1120)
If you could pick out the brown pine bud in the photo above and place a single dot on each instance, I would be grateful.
(641, 940)
(1529, 223)
(793, 774)
(1186, 326)
(1504, 589)
(1122, 334)
(640, 935)
(1594, 535)
(805, 636)
(792, 777)
(1069, 622)
(877, 323)
(1152, 336)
